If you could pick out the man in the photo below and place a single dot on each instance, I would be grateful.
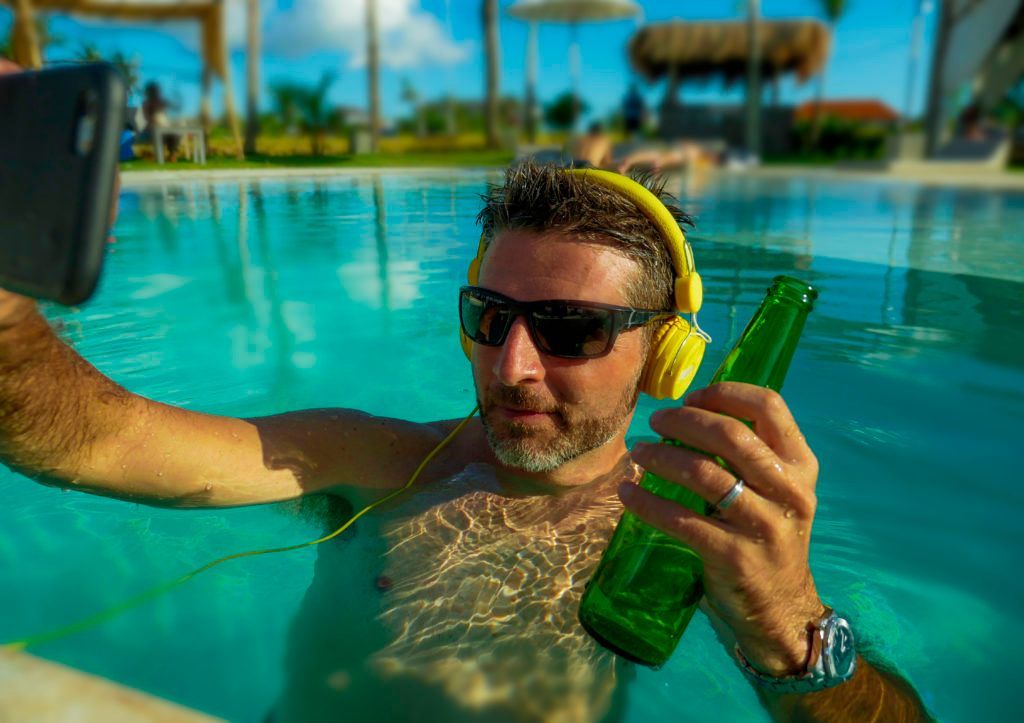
(634, 110)
(478, 573)
(593, 149)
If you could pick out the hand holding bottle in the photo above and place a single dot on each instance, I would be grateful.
(756, 573)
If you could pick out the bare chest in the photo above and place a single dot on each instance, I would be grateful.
(481, 597)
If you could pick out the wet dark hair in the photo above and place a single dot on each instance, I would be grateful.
(543, 198)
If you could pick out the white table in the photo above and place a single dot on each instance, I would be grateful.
(189, 132)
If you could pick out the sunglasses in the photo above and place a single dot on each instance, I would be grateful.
(567, 329)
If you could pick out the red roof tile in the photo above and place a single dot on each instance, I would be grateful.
(854, 109)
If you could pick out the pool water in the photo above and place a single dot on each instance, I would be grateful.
(253, 298)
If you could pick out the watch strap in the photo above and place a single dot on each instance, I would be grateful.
(819, 676)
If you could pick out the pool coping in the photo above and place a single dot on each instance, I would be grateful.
(146, 178)
(34, 689)
(947, 175)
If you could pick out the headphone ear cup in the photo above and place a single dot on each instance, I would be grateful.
(674, 359)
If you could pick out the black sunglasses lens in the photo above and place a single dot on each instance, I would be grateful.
(484, 319)
(573, 331)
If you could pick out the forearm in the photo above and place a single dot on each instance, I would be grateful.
(54, 406)
(872, 694)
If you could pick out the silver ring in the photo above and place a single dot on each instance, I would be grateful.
(730, 498)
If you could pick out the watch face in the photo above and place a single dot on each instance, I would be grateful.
(842, 655)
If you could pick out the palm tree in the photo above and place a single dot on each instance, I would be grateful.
(307, 108)
(129, 67)
(490, 18)
(252, 62)
(373, 68)
(833, 10)
(410, 96)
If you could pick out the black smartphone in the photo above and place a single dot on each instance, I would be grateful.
(60, 130)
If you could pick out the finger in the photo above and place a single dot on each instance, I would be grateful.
(765, 408)
(746, 453)
(705, 477)
(708, 537)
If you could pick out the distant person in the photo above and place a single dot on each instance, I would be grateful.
(593, 149)
(154, 110)
(683, 155)
(972, 125)
(634, 110)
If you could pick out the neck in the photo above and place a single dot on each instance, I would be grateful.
(607, 463)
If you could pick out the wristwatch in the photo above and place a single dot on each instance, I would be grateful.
(835, 664)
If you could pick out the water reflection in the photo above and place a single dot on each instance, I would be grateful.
(917, 268)
(380, 222)
(462, 603)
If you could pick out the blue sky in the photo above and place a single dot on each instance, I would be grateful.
(438, 46)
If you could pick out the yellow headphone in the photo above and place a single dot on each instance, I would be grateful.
(678, 345)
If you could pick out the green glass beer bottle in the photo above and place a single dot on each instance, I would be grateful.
(648, 585)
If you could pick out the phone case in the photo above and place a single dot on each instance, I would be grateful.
(59, 135)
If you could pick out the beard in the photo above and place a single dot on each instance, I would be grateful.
(531, 449)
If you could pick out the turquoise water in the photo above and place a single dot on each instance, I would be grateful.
(249, 299)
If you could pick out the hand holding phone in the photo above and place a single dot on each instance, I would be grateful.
(59, 136)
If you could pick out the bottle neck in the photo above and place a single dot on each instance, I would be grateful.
(765, 349)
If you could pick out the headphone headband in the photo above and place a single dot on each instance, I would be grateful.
(689, 294)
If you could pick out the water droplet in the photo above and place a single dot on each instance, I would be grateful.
(208, 488)
(789, 513)
(159, 474)
(800, 533)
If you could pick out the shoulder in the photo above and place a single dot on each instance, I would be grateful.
(462, 446)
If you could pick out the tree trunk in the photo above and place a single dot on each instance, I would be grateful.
(530, 114)
(490, 17)
(753, 130)
(373, 68)
(25, 45)
(252, 61)
(935, 114)
(819, 98)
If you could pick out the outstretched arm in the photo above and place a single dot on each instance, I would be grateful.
(759, 589)
(63, 422)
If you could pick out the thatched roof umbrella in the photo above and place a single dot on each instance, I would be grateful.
(209, 14)
(719, 50)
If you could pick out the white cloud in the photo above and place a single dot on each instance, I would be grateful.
(409, 36)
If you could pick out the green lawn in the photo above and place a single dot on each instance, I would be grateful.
(464, 158)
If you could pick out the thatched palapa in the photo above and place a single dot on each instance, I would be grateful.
(709, 50)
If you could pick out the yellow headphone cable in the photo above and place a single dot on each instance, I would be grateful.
(152, 593)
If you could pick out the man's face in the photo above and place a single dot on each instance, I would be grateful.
(541, 411)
